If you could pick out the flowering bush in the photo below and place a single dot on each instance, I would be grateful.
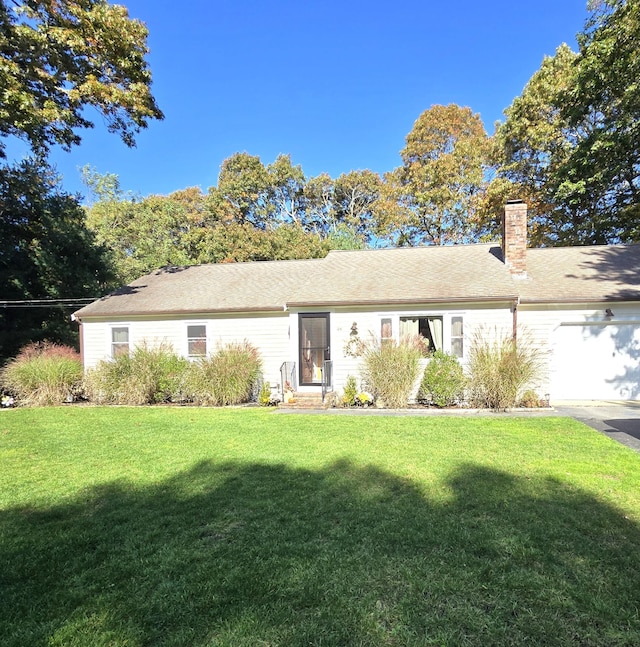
(364, 399)
(7, 401)
(265, 397)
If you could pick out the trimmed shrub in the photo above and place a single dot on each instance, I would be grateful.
(264, 396)
(350, 391)
(443, 382)
(227, 377)
(149, 375)
(390, 370)
(501, 369)
(43, 374)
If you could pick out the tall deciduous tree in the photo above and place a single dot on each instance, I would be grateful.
(285, 192)
(355, 195)
(46, 252)
(318, 193)
(571, 141)
(234, 222)
(243, 185)
(442, 177)
(145, 234)
(605, 93)
(534, 144)
(241, 242)
(59, 57)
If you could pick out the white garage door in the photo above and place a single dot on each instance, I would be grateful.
(596, 362)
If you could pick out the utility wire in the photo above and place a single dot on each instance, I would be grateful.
(45, 303)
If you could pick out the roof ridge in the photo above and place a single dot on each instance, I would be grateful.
(412, 248)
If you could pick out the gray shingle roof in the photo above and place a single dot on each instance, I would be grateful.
(408, 275)
(594, 273)
(381, 276)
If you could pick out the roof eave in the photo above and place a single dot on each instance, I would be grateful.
(573, 300)
(407, 301)
(184, 311)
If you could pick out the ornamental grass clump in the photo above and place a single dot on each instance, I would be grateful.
(500, 369)
(149, 375)
(443, 382)
(226, 377)
(43, 374)
(390, 370)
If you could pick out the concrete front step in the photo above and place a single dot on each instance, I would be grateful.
(303, 400)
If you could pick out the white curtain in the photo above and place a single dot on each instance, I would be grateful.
(435, 328)
(409, 327)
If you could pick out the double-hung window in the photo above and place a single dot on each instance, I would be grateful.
(386, 330)
(430, 328)
(197, 340)
(119, 341)
(457, 338)
(442, 332)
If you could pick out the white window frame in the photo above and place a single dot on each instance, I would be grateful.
(112, 344)
(392, 324)
(453, 337)
(447, 323)
(188, 325)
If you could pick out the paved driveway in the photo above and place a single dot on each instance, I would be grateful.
(618, 420)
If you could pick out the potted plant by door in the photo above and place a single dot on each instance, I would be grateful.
(287, 396)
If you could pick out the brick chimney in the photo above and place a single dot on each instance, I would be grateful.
(514, 237)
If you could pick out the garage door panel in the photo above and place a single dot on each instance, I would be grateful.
(596, 362)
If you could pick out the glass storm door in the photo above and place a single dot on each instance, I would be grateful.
(314, 347)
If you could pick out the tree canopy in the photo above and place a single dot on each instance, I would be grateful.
(571, 142)
(442, 178)
(534, 144)
(58, 57)
(606, 95)
(230, 224)
(46, 252)
(569, 146)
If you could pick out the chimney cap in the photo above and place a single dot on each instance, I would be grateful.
(515, 201)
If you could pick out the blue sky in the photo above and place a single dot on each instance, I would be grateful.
(337, 84)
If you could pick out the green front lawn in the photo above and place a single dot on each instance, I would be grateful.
(194, 527)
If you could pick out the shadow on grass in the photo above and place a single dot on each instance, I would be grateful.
(266, 555)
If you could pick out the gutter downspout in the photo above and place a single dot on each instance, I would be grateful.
(514, 332)
(80, 336)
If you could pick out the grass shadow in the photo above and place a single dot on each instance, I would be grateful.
(239, 554)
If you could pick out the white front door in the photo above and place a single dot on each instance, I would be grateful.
(314, 347)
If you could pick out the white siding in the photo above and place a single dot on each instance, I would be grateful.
(268, 333)
(276, 335)
(95, 342)
(497, 319)
(585, 354)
